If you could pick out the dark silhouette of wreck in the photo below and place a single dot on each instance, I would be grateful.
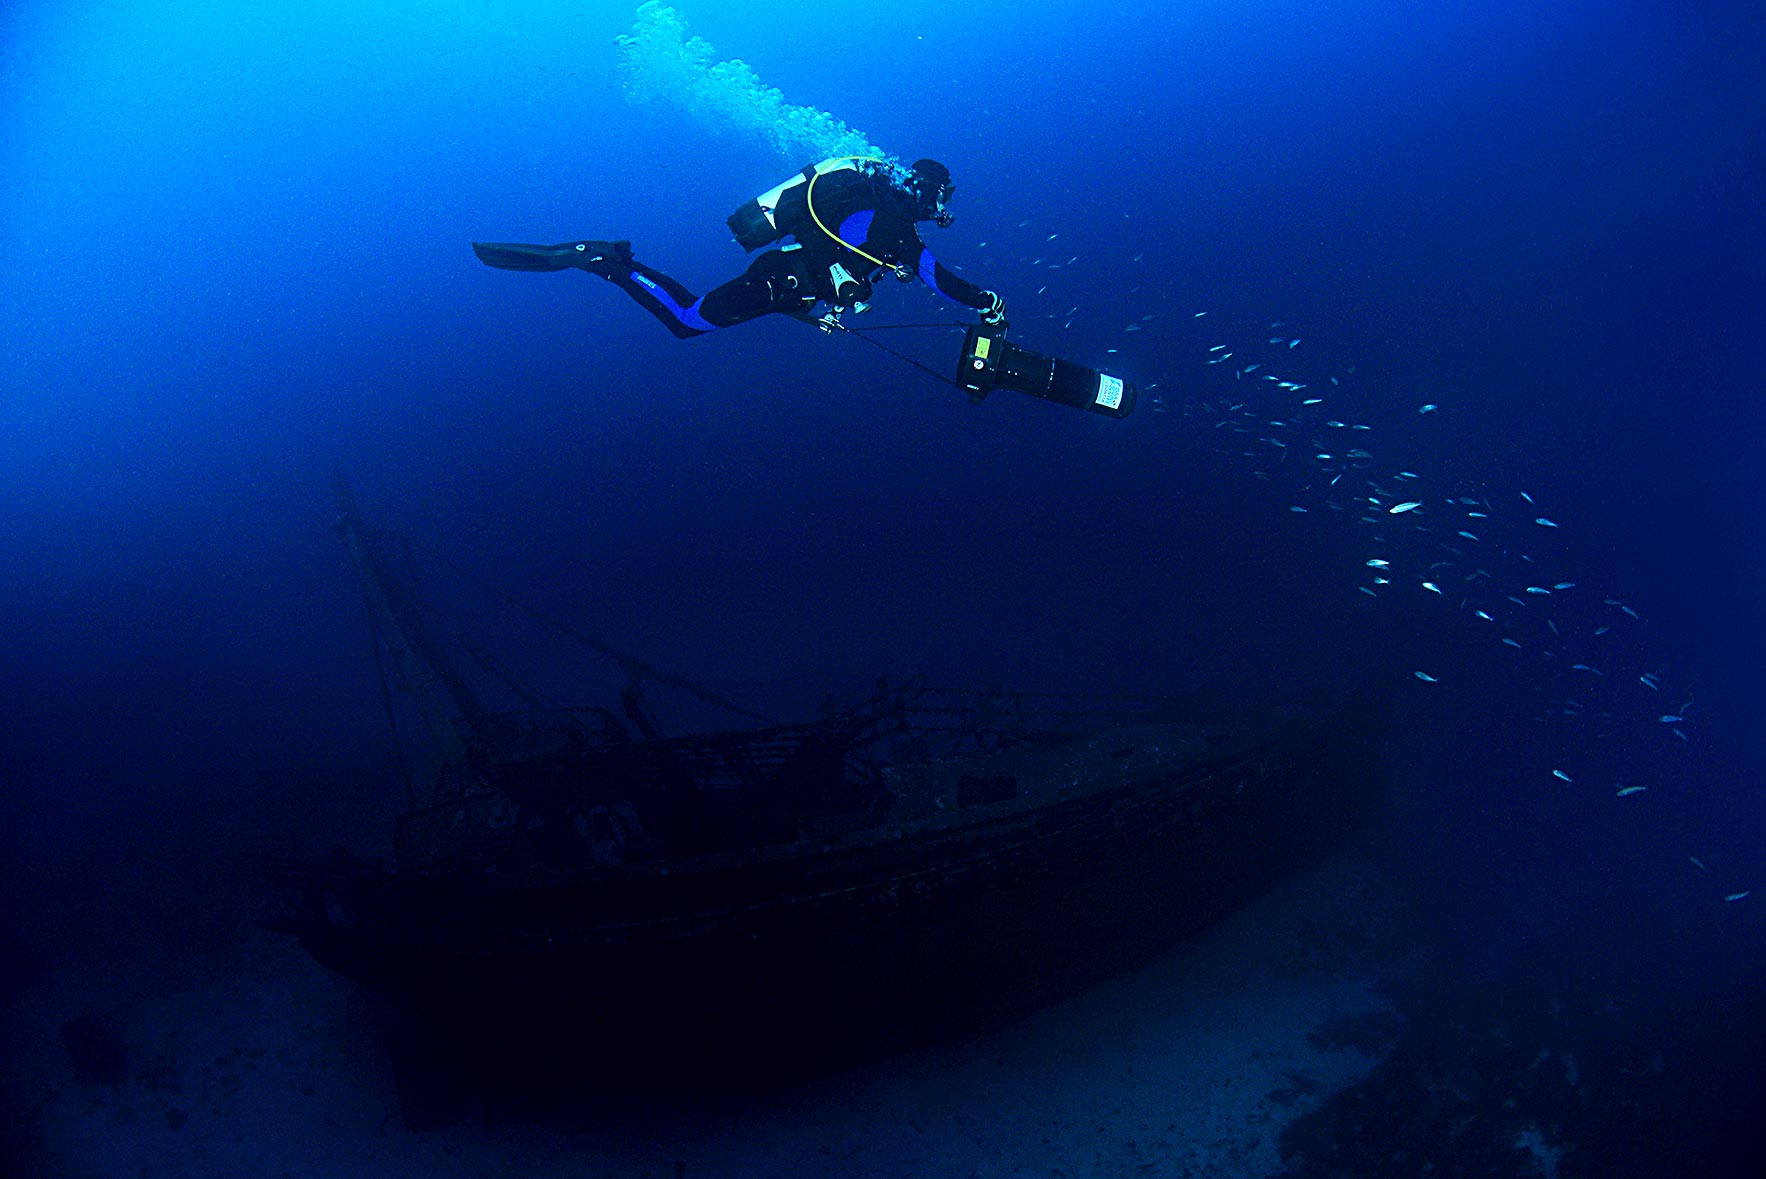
(927, 864)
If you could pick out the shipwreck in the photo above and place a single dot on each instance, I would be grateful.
(917, 866)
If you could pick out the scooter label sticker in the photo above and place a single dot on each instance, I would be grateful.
(1109, 392)
(982, 343)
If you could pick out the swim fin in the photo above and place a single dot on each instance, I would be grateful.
(595, 257)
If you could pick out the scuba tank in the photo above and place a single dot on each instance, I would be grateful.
(758, 223)
(755, 224)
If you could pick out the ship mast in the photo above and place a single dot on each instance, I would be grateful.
(443, 699)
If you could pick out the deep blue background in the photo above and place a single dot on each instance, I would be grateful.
(236, 260)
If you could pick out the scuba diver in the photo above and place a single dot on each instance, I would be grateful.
(841, 224)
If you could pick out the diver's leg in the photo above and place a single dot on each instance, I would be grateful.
(656, 292)
(661, 296)
(771, 283)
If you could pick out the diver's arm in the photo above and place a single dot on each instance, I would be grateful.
(951, 286)
(892, 238)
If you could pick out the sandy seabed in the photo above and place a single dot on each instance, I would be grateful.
(250, 1060)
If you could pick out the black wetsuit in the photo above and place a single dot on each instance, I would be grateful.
(862, 209)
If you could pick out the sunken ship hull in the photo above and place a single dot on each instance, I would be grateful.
(928, 864)
(975, 889)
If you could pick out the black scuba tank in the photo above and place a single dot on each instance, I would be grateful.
(755, 223)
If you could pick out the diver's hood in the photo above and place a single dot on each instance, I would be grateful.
(933, 188)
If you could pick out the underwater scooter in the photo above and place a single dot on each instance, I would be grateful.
(988, 362)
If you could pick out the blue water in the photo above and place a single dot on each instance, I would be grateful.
(236, 243)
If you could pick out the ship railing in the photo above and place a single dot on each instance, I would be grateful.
(544, 732)
(917, 721)
(912, 721)
(726, 760)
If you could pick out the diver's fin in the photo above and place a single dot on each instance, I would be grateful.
(596, 257)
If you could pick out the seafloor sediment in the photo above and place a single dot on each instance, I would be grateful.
(249, 1059)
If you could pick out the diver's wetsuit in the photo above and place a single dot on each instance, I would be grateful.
(862, 209)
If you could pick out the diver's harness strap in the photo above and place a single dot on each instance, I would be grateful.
(848, 290)
(756, 223)
(809, 200)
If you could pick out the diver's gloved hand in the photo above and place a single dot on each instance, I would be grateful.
(994, 314)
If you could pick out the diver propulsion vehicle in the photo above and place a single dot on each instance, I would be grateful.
(988, 362)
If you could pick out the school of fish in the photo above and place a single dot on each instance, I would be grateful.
(1488, 558)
